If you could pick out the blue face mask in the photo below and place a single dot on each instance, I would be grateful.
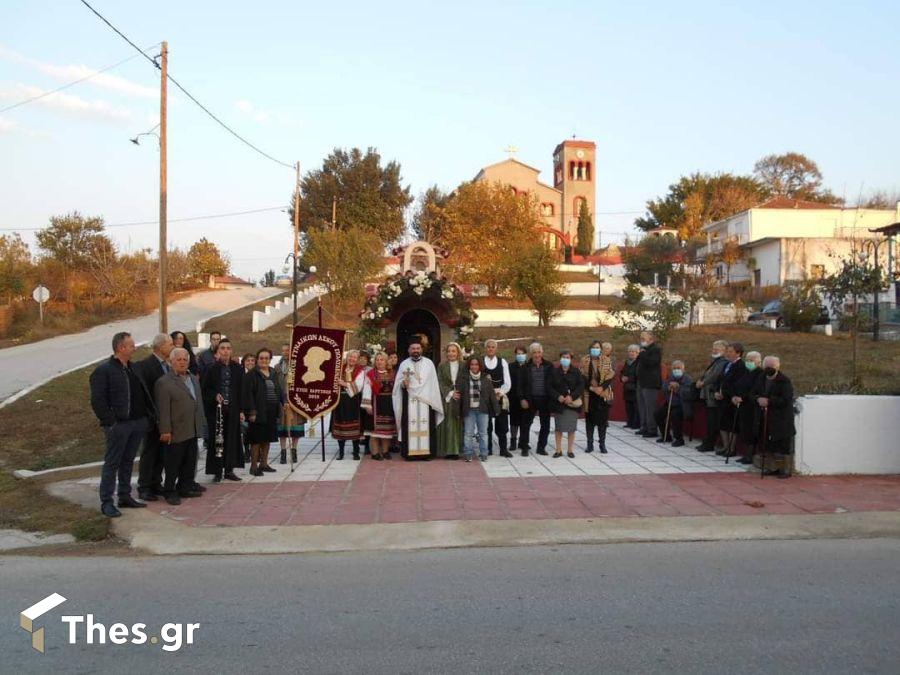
(520, 358)
(677, 372)
(595, 352)
(751, 366)
(565, 362)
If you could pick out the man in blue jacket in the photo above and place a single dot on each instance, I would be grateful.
(122, 403)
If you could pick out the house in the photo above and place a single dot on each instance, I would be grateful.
(786, 240)
(228, 282)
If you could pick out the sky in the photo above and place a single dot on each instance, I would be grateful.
(663, 88)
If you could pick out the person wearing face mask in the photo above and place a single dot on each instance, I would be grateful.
(745, 393)
(628, 376)
(477, 404)
(516, 369)
(734, 370)
(649, 382)
(776, 400)
(708, 385)
(566, 391)
(678, 405)
(599, 371)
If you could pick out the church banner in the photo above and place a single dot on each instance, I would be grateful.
(313, 379)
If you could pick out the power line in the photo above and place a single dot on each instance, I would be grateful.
(171, 220)
(66, 86)
(189, 95)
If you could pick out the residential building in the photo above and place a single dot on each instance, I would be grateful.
(786, 240)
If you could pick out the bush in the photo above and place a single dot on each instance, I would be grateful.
(801, 306)
(632, 294)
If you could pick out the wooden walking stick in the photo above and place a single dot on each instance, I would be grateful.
(732, 440)
(762, 454)
(668, 413)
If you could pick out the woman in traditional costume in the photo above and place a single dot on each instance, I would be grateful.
(377, 402)
(346, 419)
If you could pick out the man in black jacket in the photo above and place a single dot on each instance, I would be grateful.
(649, 382)
(733, 372)
(534, 397)
(121, 402)
(150, 467)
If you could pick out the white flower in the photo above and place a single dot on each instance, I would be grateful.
(371, 315)
(418, 290)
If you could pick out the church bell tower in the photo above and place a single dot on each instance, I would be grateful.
(573, 174)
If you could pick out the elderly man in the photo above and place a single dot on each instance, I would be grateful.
(121, 402)
(649, 382)
(497, 369)
(729, 417)
(180, 405)
(776, 400)
(534, 397)
(150, 467)
(708, 384)
(678, 406)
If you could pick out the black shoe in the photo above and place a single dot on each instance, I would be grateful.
(231, 476)
(174, 500)
(721, 452)
(147, 496)
(196, 487)
(602, 449)
(377, 457)
(745, 460)
(340, 454)
(662, 440)
(588, 450)
(217, 479)
(702, 448)
(387, 455)
(505, 453)
(678, 443)
(356, 456)
(294, 455)
(491, 451)
(269, 469)
(556, 455)
(158, 491)
(109, 510)
(639, 432)
(524, 452)
(189, 494)
(283, 458)
(784, 475)
(256, 472)
(650, 434)
(771, 472)
(130, 502)
(542, 452)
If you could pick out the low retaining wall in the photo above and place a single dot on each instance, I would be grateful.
(272, 314)
(848, 434)
(526, 317)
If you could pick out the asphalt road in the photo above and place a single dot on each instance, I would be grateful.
(28, 364)
(737, 607)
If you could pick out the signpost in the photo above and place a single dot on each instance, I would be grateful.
(41, 295)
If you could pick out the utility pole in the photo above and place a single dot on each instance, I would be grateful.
(296, 239)
(163, 195)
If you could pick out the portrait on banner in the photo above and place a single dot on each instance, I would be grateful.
(313, 383)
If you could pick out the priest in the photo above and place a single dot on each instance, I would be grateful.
(417, 396)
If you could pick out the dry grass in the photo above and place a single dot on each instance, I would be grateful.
(572, 302)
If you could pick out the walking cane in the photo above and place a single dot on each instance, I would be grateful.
(668, 412)
(288, 423)
(762, 454)
(732, 440)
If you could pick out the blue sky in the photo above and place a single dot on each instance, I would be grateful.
(662, 88)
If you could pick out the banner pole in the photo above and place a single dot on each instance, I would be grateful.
(322, 419)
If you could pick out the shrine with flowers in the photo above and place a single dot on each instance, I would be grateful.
(418, 303)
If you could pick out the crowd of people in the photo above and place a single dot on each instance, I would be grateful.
(173, 398)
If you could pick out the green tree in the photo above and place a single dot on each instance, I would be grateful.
(793, 175)
(205, 259)
(653, 256)
(269, 278)
(15, 266)
(429, 217)
(344, 259)
(801, 305)
(585, 231)
(700, 198)
(71, 240)
(535, 276)
(486, 228)
(370, 197)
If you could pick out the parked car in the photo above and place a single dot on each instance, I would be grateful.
(772, 310)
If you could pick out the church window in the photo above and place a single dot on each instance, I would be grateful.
(587, 171)
(546, 209)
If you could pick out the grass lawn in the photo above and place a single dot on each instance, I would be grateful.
(575, 277)
(572, 302)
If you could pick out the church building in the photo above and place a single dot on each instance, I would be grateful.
(573, 184)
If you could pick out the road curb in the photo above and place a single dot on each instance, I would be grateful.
(162, 536)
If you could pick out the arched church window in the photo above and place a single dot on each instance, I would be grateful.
(587, 169)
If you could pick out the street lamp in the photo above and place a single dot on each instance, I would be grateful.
(872, 246)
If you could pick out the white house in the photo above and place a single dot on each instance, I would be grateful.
(791, 240)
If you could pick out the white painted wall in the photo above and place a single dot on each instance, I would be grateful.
(768, 261)
(281, 309)
(848, 435)
(526, 317)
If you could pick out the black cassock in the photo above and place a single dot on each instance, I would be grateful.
(232, 455)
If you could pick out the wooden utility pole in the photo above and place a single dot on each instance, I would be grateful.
(296, 239)
(163, 195)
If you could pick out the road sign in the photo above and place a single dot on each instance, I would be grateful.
(40, 294)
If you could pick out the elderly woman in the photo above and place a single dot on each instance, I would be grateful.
(566, 388)
(599, 371)
(678, 405)
(708, 384)
(449, 432)
(249, 363)
(179, 339)
(776, 400)
(628, 376)
(477, 403)
(346, 418)
(744, 399)
(263, 399)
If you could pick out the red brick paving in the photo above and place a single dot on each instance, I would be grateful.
(394, 492)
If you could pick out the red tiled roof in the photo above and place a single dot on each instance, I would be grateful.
(228, 279)
(788, 203)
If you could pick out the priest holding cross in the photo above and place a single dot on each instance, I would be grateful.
(417, 395)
